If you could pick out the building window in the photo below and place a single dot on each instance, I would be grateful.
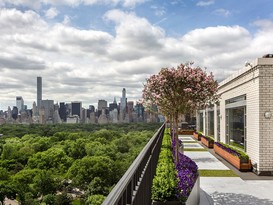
(211, 123)
(201, 121)
(236, 126)
(236, 121)
(218, 123)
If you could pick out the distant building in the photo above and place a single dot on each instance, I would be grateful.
(103, 118)
(20, 103)
(73, 119)
(48, 106)
(114, 116)
(92, 108)
(102, 104)
(123, 100)
(62, 111)
(123, 106)
(39, 92)
(56, 117)
(113, 105)
(14, 113)
(76, 108)
(130, 110)
(139, 109)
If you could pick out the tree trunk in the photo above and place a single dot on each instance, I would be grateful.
(176, 138)
(171, 126)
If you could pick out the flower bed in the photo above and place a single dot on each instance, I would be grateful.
(197, 135)
(237, 158)
(175, 184)
(207, 141)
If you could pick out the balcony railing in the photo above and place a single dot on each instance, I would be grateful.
(134, 187)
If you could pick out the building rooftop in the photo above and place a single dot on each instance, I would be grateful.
(265, 60)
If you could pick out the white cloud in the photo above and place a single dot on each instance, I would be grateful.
(66, 20)
(132, 3)
(205, 3)
(135, 37)
(159, 11)
(87, 65)
(222, 12)
(51, 13)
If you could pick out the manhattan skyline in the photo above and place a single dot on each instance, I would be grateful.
(89, 50)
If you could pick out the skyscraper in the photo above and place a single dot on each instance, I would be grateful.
(20, 103)
(62, 111)
(102, 104)
(77, 108)
(48, 106)
(123, 100)
(39, 92)
(113, 105)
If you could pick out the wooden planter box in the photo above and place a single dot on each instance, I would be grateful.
(194, 198)
(207, 143)
(197, 136)
(234, 160)
(185, 132)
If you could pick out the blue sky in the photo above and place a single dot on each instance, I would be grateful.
(90, 49)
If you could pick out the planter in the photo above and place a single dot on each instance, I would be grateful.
(197, 136)
(185, 132)
(234, 160)
(194, 198)
(207, 143)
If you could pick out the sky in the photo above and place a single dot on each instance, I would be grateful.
(86, 50)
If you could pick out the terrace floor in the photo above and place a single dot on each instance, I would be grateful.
(245, 189)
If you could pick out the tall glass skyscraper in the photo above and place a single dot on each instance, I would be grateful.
(39, 92)
(123, 100)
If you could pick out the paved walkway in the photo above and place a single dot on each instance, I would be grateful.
(247, 189)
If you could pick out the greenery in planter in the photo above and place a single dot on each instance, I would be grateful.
(199, 133)
(242, 155)
(236, 145)
(173, 183)
(165, 181)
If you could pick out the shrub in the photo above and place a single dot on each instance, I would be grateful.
(173, 182)
(165, 182)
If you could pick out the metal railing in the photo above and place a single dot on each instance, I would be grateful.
(134, 188)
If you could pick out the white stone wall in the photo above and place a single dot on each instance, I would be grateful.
(257, 84)
(266, 125)
(247, 84)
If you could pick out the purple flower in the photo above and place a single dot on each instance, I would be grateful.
(187, 173)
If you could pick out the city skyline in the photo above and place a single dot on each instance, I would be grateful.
(87, 50)
(96, 104)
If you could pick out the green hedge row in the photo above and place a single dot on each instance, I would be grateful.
(165, 181)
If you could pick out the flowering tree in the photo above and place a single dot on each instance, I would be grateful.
(180, 90)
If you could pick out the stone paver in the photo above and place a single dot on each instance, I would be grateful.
(192, 145)
(186, 138)
(235, 191)
(206, 160)
(229, 190)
